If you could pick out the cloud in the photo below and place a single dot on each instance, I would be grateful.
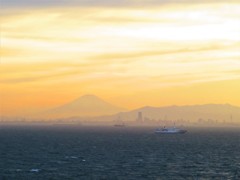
(158, 40)
(26, 73)
(159, 52)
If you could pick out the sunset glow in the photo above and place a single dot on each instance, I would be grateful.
(132, 55)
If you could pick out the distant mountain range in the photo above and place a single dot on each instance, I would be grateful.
(93, 108)
(207, 112)
(85, 106)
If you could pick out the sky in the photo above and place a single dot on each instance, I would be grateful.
(131, 53)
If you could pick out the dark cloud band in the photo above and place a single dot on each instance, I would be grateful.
(44, 3)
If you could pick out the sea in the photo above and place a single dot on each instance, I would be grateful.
(75, 152)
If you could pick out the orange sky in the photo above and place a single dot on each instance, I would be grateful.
(131, 56)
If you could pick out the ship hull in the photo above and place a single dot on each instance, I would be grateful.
(171, 132)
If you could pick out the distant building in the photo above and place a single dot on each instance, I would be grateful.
(140, 117)
(146, 119)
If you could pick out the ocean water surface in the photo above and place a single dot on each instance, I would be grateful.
(88, 152)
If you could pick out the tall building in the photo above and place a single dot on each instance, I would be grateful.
(139, 118)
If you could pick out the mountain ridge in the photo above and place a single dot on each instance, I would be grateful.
(91, 107)
(86, 106)
(221, 112)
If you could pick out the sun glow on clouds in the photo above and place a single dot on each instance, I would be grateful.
(114, 52)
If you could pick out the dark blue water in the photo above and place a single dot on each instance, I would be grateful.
(64, 152)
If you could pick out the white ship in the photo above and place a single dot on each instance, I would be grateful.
(171, 130)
